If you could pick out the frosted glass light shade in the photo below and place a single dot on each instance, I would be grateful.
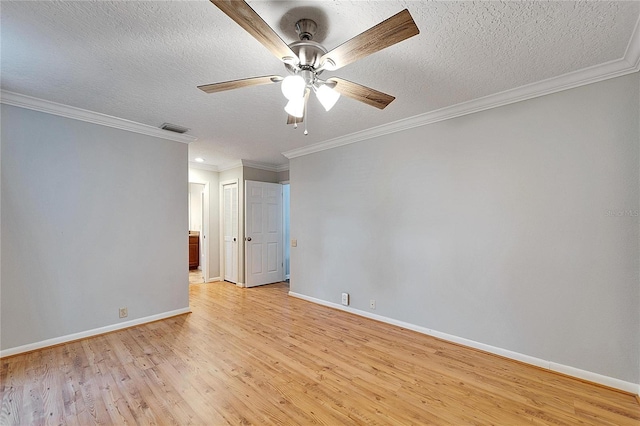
(327, 97)
(293, 87)
(295, 107)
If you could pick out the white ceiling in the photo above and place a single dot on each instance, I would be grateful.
(142, 61)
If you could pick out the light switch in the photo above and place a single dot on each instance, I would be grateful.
(294, 243)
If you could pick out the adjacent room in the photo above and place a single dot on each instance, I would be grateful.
(346, 212)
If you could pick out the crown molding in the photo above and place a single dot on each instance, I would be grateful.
(230, 166)
(240, 163)
(627, 65)
(632, 54)
(265, 166)
(41, 105)
(260, 166)
(202, 166)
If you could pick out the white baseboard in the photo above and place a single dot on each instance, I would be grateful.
(90, 333)
(214, 279)
(241, 285)
(611, 382)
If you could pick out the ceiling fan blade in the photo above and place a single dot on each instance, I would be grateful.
(238, 84)
(247, 18)
(361, 93)
(387, 33)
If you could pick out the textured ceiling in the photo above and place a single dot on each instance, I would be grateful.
(142, 61)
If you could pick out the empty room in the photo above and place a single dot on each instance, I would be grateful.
(320, 212)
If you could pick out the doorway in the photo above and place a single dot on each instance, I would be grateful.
(263, 231)
(198, 229)
(230, 230)
(286, 197)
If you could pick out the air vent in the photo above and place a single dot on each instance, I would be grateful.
(174, 128)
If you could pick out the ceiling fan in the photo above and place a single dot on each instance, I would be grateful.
(306, 59)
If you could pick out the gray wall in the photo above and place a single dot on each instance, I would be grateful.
(93, 219)
(259, 175)
(507, 227)
(283, 176)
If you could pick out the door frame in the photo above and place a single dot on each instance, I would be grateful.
(205, 227)
(286, 241)
(240, 244)
(247, 246)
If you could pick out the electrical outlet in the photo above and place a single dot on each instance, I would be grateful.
(124, 312)
(345, 299)
(294, 243)
(372, 303)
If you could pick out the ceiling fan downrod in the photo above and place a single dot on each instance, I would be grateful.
(306, 28)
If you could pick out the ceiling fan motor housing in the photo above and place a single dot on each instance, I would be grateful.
(309, 53)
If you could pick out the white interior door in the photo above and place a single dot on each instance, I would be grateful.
(263, 233)
(230, 231)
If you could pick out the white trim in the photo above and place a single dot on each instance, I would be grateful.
(214, 280)
(286, 244)
(632, 53)
(230, 166)
(260, 166)
(229, 182)
(254, 165)
(41, 105)
(548, 365)
(90, 333)
(241, 285)
(571, 80)
(240, 163)
(265, 166)
(593, 377)
(202, 166)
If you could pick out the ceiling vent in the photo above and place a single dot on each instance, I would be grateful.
(174, 128)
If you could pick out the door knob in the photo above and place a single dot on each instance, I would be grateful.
(234, 239)
(248, 238)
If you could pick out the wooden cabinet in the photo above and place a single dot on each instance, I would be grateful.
(194, 250)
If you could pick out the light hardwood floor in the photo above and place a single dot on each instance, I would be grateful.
(258, 356)
(195, 276)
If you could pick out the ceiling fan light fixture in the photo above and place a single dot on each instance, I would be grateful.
(295, 107)
(293, 87)
(327, 96)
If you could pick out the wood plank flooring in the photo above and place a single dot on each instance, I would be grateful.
(258, 356)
